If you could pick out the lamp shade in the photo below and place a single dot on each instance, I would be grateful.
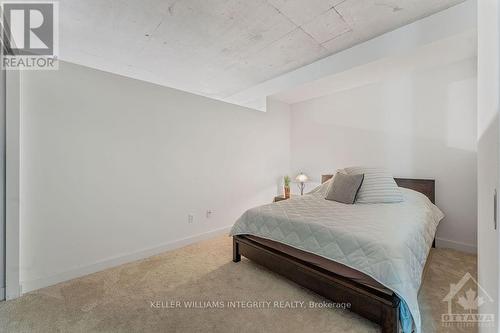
(302, 178)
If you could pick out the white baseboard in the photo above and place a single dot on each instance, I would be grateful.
(459, 246)
(27, 286)
(2, 294)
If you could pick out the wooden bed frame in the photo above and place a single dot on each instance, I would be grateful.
(375, 305)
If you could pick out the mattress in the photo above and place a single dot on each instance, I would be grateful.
(389, 243)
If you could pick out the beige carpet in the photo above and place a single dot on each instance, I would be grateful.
(119, 299)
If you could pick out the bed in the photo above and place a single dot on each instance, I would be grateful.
(358, 279)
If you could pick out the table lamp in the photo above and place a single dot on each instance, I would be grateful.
(302, 179)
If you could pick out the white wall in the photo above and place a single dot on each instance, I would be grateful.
(111, 167)
(2, 184)
(420, 125)
(12, 182)
(488, 154)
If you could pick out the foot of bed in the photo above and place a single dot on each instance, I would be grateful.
(236, 250)
(390, 320)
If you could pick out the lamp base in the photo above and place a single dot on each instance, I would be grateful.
(301, 187)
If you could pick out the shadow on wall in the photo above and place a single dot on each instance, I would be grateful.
(446, 111)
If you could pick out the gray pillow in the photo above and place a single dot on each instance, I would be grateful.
(344, 188)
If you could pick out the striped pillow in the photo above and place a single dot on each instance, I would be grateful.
(378, 186)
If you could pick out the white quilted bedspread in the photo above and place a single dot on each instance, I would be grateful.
(388, 242)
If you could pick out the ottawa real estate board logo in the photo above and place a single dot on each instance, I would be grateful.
(29, 35)
(464, 299)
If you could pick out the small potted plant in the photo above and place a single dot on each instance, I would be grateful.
(287, 181)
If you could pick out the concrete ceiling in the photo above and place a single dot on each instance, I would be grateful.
(218, 48)
(434, 55)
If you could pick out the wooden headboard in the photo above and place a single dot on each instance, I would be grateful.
(425, 186)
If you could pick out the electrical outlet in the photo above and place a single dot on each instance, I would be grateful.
(209, 214)
(190, 218)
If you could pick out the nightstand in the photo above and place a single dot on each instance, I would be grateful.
(281, 198)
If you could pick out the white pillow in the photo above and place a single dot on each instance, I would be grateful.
(378, 186)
